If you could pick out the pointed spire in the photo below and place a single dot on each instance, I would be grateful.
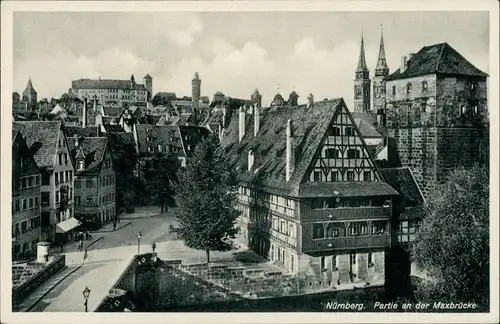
(29, 86)
(362, 61)
(381, 63)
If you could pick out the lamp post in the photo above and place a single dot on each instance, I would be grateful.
(86, 294)
(139, 236)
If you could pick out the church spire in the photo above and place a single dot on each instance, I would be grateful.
(29, 86)
(362, 61)
(381, 63)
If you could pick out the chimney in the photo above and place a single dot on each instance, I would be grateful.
(403, 64)
(310, 100)
(242, 123)
(289, 151)
(84, 113)
(251, 159)
(256, 120)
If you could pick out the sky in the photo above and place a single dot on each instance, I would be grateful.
(233, 52)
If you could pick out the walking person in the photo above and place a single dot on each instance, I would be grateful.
(153, 246)
(114, 226)
(80, 244)
(61, 245)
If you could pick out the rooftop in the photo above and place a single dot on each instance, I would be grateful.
(94, 149)
(106, 84)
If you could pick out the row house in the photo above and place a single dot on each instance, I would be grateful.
(26, 182)
(47, 143)
(95, 183)
(311, 198)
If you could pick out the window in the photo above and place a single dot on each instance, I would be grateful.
(473, 85)
(30, 181)
(323, 264)
(45, 198)
(25, 206)
(334, 261)
(23, 183)
(148, 139)
(424, 85)
(353, 154)
(334, 176)
(57, 196)
(463, 110)
(37, 180)
(60, 159)
(378, 227)
(332, 153)
(89, 200)
(317, 176)
(318, 231)
(358, 228)
(335, 131)
(77, 201)
(89, 183)
(81, 165)
(24, 226)
(349, 131)
(352, 258)
(408, 88)
(367, 176)
(350, 175)
(370, 259)
(65, 158)
(16, 205)
(159, 147)
(393, 90)
(45, 179)
(77, 184)
(70, 193)
(475, 109)
(36, 201)
(31, 203)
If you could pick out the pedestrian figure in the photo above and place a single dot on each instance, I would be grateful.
(62, 246)
(80, 245)
(114, 226)
(153, 246)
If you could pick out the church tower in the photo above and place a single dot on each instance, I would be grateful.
(362, 83)
(381, 71)
(30, 95)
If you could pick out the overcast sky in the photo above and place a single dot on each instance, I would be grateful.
(234, 52)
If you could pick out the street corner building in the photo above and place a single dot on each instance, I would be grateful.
(95, 185)
(311, 197)
(26, 181)
(47, 143)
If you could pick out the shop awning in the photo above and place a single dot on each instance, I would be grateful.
(67, 225)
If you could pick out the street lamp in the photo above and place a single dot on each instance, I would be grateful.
(86, 294)
(139, 236)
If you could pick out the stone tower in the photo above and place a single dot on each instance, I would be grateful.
(362, 83)
(30, 95)
(381, 71)
(148, 84)
(256, 98)
(196, 90)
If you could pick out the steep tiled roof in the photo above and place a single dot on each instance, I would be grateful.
(106, 84)
(345, 189)
(309, 128)
(114, 111)
(154, 135)
(94, 149)
(42, 139)
(403, 181)
(184, 119)
(70, 131)
(191, 136)
(438, 58)
(366, 129)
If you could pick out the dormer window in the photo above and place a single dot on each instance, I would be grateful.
(473, 85)
(81, 165)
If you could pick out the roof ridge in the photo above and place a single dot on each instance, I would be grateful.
(443, 45)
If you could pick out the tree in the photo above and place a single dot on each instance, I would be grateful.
(16, 96)
(453, 241)
(206, 197)
(160, 174)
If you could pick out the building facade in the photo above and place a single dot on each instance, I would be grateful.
(112, 91)
(310, 196)
(48, 145)
(362, 83)
(26, 181)
(95, 184)
(436, 106)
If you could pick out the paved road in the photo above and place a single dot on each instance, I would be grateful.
(106, 259)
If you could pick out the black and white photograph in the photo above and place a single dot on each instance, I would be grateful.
(248, 162)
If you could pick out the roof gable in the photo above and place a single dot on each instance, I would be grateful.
(91, 149)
